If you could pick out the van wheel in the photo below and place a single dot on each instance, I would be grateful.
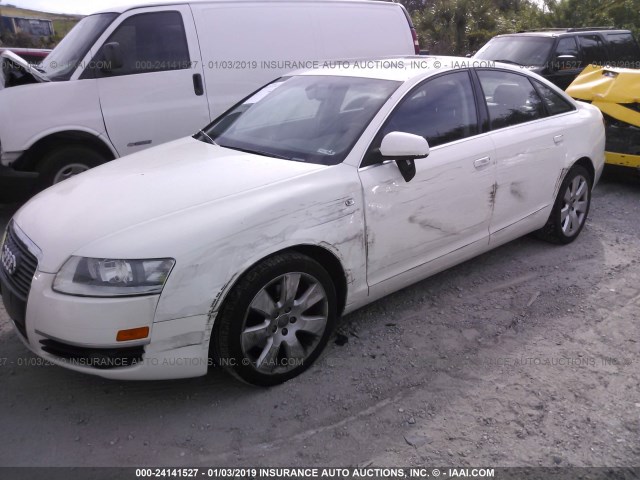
(570, 209)
(67, 162)
(276, 321)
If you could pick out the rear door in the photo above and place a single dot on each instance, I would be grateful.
(158, 94)
(530, 148)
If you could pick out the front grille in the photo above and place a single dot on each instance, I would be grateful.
(26, 265)
(99, 358)
(17, 269)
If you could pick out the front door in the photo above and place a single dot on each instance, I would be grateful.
(449, 202)
(566, 63)
(157, 95)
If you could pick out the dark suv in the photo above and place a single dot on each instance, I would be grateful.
(560, 54)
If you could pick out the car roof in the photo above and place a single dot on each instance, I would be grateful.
(162, 3)
(399, 68)
(558, 32)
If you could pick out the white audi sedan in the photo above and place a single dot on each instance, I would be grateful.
(318, 194)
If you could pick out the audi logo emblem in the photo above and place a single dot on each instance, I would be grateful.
(9, 260)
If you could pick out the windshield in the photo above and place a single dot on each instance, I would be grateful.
(314, 119)
(524, 50)
(65, 58)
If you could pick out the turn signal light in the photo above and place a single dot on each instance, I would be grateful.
(132, 334)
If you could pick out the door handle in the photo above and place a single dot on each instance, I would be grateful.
(482, 162)
(558, 139)
(198, 87)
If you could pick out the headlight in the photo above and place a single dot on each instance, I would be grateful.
(106, 277)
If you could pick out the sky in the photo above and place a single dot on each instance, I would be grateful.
(82, 7)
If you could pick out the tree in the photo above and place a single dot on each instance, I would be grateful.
(594, 13)
(413, 5)
(463, 26)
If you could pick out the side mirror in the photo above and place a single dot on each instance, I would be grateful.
(113, 58)
(404, 148)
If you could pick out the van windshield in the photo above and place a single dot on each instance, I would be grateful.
(527, 51)
(306, 118)
(66, 57)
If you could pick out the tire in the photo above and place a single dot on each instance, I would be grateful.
(265, 338)
(66, 162)
(570, 209)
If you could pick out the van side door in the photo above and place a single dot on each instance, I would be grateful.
(149, 75)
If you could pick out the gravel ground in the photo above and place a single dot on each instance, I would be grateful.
(525, 356)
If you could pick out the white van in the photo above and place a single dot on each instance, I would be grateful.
(132, 78)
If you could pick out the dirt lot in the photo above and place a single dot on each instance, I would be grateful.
(525, 356)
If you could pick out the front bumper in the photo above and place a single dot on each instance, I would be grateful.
(79, 333)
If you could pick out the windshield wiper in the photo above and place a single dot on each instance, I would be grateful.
(258, 152)
(207, 138)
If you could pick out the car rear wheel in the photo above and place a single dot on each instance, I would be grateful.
(66, 162)
(276, 321)
(570, 209)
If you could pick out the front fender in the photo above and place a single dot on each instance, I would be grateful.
(29, 113)
(213, 244)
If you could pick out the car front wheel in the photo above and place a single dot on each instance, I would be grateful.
(276, 320)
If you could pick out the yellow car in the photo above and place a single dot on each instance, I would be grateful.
(616, 92)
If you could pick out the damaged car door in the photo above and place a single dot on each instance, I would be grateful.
(448, 204)
(530, 147)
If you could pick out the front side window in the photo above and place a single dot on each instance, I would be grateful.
(567, 47)
(510, 97)
(441, 110)
(149, 42)
(307, 118)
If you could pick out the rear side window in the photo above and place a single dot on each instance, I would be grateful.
(623, 48)
(442, 110)
(510, 97)
(151, 42)
(554, 102)
(593, 50)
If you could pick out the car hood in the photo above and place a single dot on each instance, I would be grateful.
(154, 183)
(10, 61)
